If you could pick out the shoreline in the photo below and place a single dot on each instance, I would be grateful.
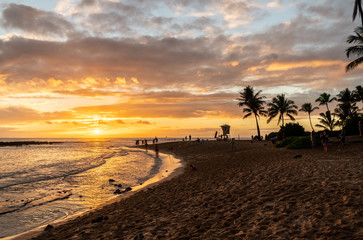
(175, 168)
(254, 192)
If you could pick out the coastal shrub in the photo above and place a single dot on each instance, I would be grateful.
(272, 135)
(285, 142)
(300, 143)
(295, 142)
(291, 129)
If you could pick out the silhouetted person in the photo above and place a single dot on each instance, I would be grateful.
(156, 150)
(342, 137)
(324, 140)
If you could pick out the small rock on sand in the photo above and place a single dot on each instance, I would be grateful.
(49, 227)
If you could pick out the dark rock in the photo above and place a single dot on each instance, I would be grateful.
(118, 191)
(118, 185)
(139, 236)
(298, 156)
(49, 227)
(66, 197)
(111, 180)
(128, 189)
(166, 171)
(99, 219)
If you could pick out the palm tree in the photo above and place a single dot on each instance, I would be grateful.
(306, 107)
(253, 104)
(327, 120)
(357, 49)
(347, 100)
(324, 99)
(344, 112)
(281, 106)
(358, 93)
(358, 8)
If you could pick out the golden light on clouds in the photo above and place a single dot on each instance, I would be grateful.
(307, 64)
(79, 68)
(120, 80)
(135, 80)
(232, 63)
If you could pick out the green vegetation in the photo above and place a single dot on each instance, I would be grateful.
(346, 114)
(292, 129)
(295, 143)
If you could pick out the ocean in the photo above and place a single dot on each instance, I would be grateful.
(40, 184)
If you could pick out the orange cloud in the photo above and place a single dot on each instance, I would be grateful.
(283, 66)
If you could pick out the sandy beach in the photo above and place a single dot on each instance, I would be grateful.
(254, 192)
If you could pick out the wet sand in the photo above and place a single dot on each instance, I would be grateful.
(254, 192)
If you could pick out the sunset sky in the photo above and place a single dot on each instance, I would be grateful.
(136, 68)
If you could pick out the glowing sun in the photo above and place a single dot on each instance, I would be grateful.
(96, 131)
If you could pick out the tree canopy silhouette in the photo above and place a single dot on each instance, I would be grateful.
(307, 107)
(252, 103)
(281, 106)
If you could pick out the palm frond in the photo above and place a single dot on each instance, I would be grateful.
(290, 116)
(353, 64)
(357, 50)
(247, 115)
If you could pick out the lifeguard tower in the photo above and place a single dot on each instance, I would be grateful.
(226, 131)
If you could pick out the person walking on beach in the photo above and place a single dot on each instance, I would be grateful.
(313, 139)
(324, 140)
(360, 126)
(190, 137)
(146, 145)
(342, 137)
(156, 150)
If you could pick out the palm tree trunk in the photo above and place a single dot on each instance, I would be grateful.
(327, 106)
(282, 118)
(310, 123)
(258, 128)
